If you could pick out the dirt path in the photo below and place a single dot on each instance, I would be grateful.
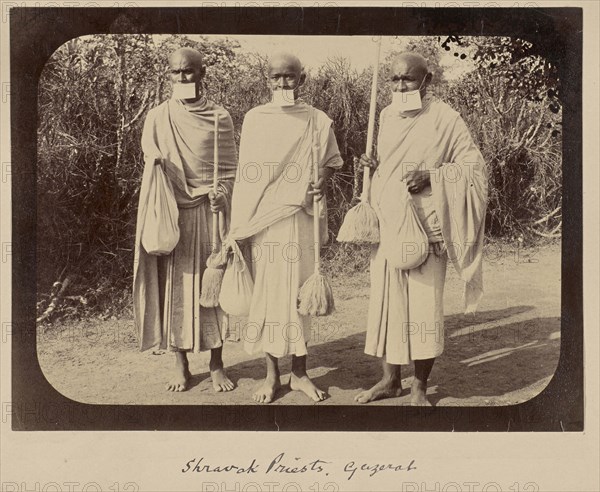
(504, 354)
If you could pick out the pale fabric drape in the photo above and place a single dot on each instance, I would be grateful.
(271, 210)
(452, 211)
(166, 289)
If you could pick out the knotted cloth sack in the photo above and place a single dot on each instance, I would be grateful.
(237, 285)
(161, 229)
(405, 244)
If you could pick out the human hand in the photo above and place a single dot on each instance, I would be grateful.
(367, 161)
(417, 180)
(227, 248)
(217, 201)
(318, 189)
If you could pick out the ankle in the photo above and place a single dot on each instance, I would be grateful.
(298, 372)
(419, 383)
(272, 378)
(272, 374)
(391, 379)
(181, 361)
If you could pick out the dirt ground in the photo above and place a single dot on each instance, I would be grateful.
(504, 354)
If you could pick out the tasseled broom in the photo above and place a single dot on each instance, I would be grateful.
(215, 264)
(315, 296)
(361, 224)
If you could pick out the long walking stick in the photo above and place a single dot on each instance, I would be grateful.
(315, 296)
(213, 274)
(361, 224)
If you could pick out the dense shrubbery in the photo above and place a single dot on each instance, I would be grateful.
(94, 94)
(510, 104)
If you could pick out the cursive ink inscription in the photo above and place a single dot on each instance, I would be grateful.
(372, 469)
(290, 465)
(277, 465)
(199, 466)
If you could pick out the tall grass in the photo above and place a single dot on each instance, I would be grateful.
(95, 92)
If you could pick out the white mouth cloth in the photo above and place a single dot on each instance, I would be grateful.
(184, 91)
(407, 101)
(283, 97)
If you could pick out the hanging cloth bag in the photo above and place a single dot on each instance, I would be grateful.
(237, 286)
(405, 244)
(160, 233)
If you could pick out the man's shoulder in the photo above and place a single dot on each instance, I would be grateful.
(213, 106)
(444, 109)
(156, 110)
(321, 115)
(384, 111)
(161, 107)
(255, 110)
(252, 114)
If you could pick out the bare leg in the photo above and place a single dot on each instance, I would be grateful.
(181, 374)
(419, 385)
(390, 385)
(266, 391)
(299, 380)
(220, 380)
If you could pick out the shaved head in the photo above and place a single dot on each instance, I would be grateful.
(186, 66)
(285, 72)
(414, 61)
(288, 59)
(409, 73)
(192, 56)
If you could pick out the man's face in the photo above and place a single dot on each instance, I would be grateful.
(406, 76)
(285, 74)
(183, 70)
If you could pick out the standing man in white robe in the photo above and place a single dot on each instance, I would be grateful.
(424, 145)
(179, 134)
(272, 211)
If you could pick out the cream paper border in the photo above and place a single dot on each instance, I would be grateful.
(445, 461)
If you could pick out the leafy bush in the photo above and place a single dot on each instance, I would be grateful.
(95, 92)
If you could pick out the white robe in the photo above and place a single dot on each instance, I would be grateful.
(166, 290)
(271, 209)
(405, 320)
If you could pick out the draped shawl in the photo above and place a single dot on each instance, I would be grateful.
(436, 139)
(183, 137)
(276, 165)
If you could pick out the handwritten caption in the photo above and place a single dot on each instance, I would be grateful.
(288, 466)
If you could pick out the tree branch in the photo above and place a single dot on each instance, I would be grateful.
(143, 106)
(55, 300)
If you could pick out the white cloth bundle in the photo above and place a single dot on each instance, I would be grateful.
(237, 285)
(405, 244)
(160, 234)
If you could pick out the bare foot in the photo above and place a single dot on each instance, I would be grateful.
(266, 391)
(386, 388)
(303, 383)
(220, 381)
(417, 394)
(180, 378)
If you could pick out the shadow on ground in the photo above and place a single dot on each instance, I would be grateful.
(482, 357)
